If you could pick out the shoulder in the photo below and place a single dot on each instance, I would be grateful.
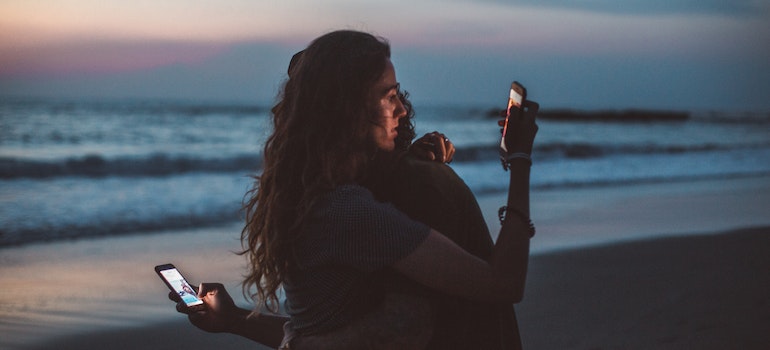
(433, 193)
(353, 208)
(351, 191)
(348, 199)
(414, 167)
(430, 179)
(350, 227)
(410, 163)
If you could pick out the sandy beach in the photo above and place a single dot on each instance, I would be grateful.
(649, 266)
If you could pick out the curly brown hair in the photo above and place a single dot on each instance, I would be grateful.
(320, 141)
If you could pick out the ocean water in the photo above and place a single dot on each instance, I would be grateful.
(95, 168)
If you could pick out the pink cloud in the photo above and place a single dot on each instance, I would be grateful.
(101, 56)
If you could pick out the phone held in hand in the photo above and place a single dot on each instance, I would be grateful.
(516, 99)
(178, 284)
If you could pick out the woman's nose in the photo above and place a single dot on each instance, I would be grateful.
(400, 111)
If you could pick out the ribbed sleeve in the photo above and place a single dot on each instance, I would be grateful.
(348, 236)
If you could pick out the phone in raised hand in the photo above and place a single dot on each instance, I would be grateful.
(516, 98)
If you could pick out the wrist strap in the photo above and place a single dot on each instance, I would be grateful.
(501, 214)
(506, 160)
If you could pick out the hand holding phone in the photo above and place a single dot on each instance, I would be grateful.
(519, 127)
(178, 284)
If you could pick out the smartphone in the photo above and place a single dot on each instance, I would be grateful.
(174, 280)
(515, 99)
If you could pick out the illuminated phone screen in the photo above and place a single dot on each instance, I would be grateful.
(515, 99)
(181, 287)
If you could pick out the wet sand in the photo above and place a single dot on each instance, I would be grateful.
(690, 292)
(638, 267)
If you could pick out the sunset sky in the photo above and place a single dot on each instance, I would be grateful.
(681, 54)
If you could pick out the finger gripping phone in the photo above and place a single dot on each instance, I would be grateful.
(516, 99)
(178, 284)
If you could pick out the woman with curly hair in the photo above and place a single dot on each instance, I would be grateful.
(314, 229)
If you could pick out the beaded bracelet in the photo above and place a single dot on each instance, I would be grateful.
(504, 210)
(506, 160)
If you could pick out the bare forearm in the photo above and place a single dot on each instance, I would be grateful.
(511, 253)
(518, 187)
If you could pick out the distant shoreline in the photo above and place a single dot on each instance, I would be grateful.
(629, 115)
(621, 115)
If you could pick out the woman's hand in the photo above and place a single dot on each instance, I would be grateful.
(433, 146)
(218, 314)
(522, 128)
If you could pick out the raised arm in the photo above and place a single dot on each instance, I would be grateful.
(444, 266)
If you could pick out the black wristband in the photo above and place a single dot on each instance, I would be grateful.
(507, 159)
(501, 214)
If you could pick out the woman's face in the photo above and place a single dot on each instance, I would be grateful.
(388, 109)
